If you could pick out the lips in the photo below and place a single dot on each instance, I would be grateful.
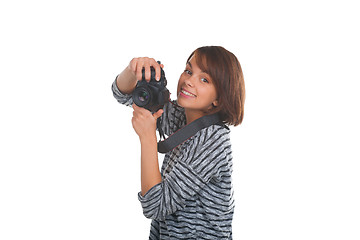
(187, 93)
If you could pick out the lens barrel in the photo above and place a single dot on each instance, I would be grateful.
(142, 96)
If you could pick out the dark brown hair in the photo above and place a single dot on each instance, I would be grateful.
(227, 76)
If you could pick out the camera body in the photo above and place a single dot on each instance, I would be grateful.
(152, 95)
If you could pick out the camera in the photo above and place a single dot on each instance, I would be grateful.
(152, 95)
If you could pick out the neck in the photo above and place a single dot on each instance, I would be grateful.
(192, 115)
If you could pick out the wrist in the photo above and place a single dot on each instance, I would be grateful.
(148, 137)
(126, 81)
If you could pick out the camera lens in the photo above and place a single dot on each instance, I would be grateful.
(143, 96)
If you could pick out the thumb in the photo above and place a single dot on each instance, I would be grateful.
(158, 114)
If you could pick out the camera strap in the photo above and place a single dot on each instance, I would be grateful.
(188, 131)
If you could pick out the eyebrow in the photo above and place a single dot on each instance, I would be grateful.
(200, 69)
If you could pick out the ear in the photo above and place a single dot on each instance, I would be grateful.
(215, 103)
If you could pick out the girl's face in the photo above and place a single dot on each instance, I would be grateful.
(196, 91)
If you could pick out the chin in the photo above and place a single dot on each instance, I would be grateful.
(185, 104)
(179, 102)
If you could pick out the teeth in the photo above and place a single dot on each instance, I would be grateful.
(187, 93)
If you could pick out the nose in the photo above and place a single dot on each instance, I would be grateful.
(189, 81)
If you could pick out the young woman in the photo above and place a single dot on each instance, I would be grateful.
(192, 196)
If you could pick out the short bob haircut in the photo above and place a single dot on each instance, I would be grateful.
(225, 71)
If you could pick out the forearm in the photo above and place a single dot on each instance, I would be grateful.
(150, 174)
(126, 81)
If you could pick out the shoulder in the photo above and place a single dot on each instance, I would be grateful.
(213, 139)
(214, 133)
(208, 152)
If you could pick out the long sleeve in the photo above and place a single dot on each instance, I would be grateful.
(122, 98)
(204, 158)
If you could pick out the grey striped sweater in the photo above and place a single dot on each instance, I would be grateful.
(195, 198)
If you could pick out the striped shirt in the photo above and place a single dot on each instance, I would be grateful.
(195, 197)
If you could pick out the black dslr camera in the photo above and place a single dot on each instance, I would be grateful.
(152, 95)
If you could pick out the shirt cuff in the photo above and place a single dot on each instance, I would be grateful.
(148, 196)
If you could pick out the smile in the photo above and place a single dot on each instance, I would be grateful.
(183, 91)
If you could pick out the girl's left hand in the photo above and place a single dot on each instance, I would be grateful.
(144, 122)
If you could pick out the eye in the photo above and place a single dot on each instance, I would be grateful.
(187, 71)
(204, 80)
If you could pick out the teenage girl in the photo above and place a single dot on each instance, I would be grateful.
(192, 196)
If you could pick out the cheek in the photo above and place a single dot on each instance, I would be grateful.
(180, 82)
(210, 94)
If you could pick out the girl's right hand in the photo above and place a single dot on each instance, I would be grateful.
(137, 64)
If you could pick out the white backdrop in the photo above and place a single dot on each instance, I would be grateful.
(70, 163)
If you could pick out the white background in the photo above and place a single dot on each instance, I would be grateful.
(70, 164)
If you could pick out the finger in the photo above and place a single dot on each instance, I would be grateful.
(140, 110)
(136, 115)
(132, 64)
(136, 107)
(139, 67)
(158, 72)
(156, 66)
(158, 114)
(147, 71)
(133, 122)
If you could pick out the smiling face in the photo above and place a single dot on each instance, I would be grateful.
(196, 92)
